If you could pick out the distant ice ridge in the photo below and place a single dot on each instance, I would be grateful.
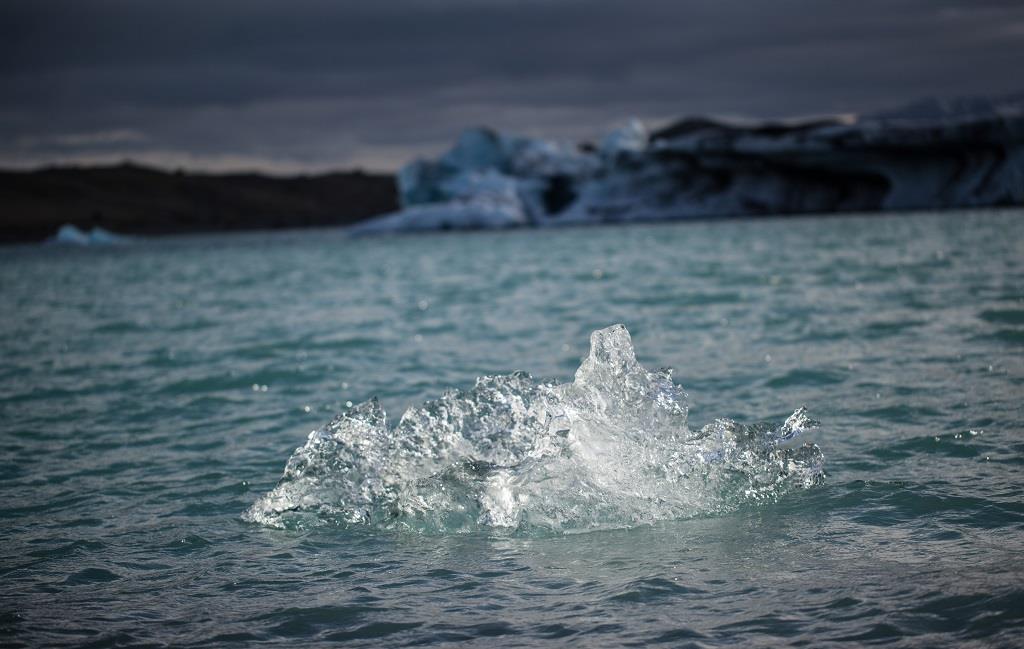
(928, 155)
(610, 449)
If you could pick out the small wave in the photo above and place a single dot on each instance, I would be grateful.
(610, 449)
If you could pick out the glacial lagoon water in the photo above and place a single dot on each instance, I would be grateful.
(161, 486)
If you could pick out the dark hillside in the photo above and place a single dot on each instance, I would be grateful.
(131, 199)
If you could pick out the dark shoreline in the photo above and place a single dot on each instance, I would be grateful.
(136, 200)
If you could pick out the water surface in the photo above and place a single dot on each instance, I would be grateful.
(150, 393)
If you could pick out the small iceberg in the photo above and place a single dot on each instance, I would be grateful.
(69, 234)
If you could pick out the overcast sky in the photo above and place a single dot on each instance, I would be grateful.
(307, 85)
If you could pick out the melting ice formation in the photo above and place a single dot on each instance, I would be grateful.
(926, 156)
(610, 449)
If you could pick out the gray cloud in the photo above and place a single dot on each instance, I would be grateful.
(312, 84)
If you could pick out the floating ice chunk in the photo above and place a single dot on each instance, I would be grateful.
(610, 449)
(69, 234)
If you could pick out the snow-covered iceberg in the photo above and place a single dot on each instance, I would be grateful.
(930, 155)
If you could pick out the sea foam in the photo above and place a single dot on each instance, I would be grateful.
(610, 449)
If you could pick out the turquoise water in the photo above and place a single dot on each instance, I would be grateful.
(150, 394)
